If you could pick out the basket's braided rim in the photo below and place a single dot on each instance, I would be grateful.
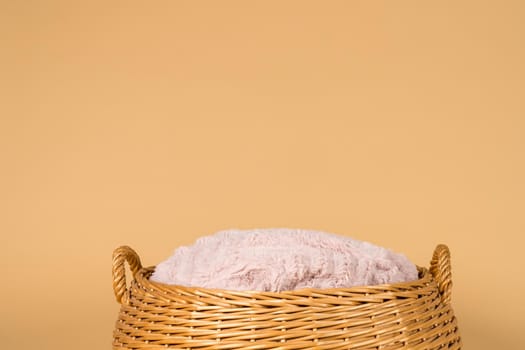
(299, 297)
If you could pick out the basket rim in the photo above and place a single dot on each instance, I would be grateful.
(141, 277)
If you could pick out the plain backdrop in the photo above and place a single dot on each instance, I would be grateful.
(153, 123)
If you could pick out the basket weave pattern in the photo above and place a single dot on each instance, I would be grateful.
(409, 315)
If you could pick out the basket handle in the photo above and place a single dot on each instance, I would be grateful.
(120, 256)
(440, 268)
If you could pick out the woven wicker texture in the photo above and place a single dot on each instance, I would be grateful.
(411, 315)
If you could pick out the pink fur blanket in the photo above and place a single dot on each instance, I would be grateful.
(281, 259)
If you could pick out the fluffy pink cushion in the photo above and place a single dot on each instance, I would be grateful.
(279, 259)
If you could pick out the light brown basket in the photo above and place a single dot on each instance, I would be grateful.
(411, 315)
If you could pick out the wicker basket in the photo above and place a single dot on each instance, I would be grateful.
(411, 315)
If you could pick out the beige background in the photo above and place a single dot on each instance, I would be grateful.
(151, 124)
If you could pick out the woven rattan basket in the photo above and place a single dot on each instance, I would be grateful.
(411, 315)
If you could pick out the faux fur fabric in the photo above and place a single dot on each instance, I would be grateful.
(278, 259)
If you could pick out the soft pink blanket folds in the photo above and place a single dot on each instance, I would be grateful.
(279, 259)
